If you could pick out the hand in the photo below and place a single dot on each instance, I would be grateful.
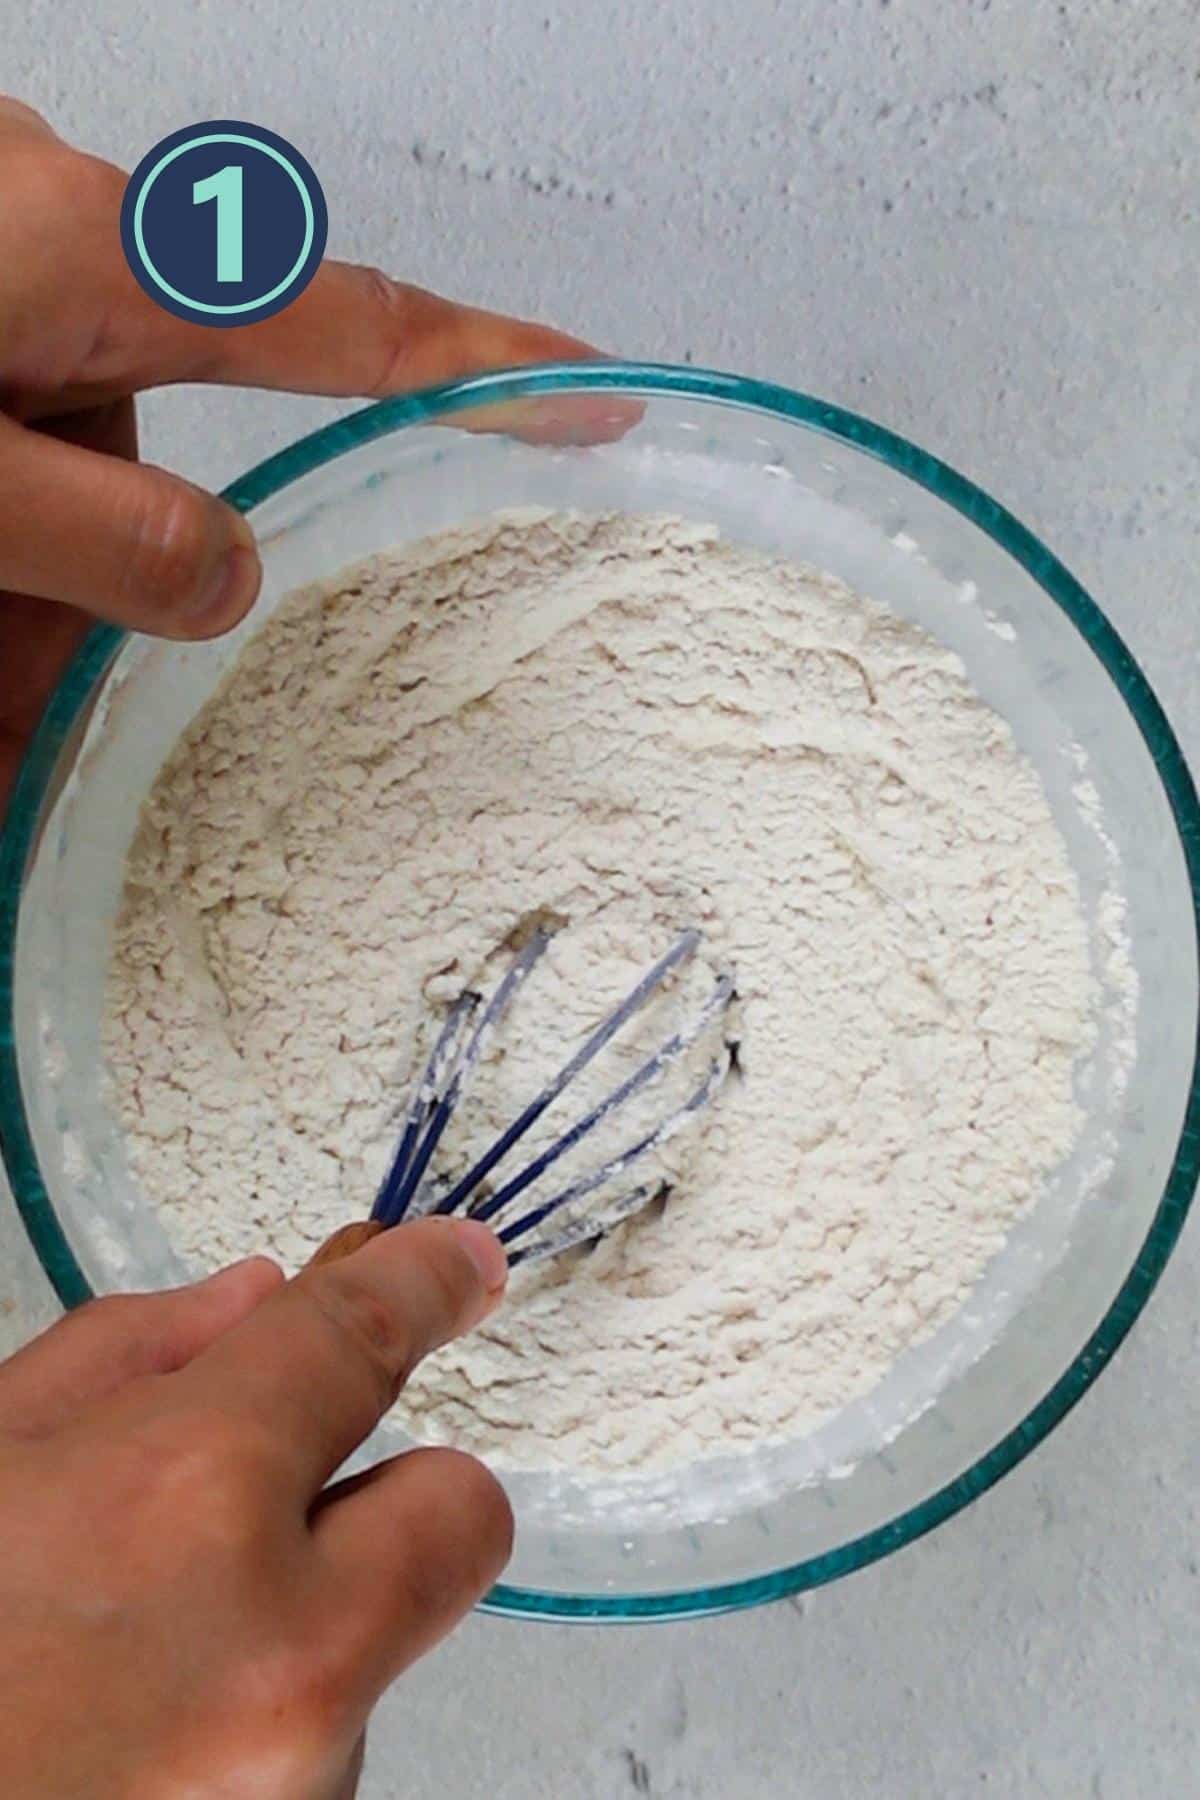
(85, 530)
(183, 1611)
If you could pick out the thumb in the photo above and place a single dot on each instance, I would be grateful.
(109, 1342)
(123, 541)
(319, 1364)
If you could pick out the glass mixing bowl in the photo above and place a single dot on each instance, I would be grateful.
(800, 479)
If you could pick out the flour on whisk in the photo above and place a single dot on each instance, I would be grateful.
(633, 726)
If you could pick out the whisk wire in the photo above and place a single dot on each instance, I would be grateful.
(443, 1106)
(456, 1056)
(442, 1061)
(633, 1002)
(590, 1229)
(652, 1140)
(649, 1071)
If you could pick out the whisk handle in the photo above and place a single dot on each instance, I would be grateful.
(345, 1241)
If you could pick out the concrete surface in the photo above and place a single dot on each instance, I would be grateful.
(978, 223)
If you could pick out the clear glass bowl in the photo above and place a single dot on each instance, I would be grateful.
(807, 481)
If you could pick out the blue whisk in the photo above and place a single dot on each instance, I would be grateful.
(411, 1189)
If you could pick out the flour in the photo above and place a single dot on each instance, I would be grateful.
(636, 727)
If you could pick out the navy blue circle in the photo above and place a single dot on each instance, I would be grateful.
(179, 234)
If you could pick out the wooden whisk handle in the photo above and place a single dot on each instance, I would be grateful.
(345, 1241)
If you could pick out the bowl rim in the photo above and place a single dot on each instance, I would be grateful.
(67, 709)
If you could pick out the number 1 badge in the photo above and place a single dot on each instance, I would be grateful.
(224, 223)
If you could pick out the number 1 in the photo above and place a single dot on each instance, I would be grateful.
(225, 187)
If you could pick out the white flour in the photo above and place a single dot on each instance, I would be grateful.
(638, 727)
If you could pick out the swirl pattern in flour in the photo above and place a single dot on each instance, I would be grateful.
(635, 726)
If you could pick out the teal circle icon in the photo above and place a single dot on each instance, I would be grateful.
(224, 223)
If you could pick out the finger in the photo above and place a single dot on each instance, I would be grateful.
(17, 119)
(357, 333)
(122, 541)
(46, 637)
(355, 344)
(49, 634)
(110, 428)
(96, 1350)
(408, 1549)
(353, 332)
(318, 1365)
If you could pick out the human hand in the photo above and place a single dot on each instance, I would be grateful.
(183, 1611)
(85, 530)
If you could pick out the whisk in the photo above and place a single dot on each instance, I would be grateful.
(574, 1213)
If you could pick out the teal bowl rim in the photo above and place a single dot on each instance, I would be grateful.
(648, 380)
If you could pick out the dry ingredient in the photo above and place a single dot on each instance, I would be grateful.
(636, 726)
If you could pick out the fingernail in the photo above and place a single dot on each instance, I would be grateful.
(486, 1252)
(580, 418)
(229, 592)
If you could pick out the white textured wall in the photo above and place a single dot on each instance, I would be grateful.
(980, 223)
